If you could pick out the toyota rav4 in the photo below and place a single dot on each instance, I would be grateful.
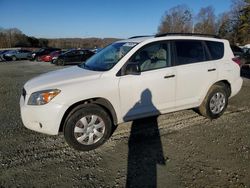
(128, 80)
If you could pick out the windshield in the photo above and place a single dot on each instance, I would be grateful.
(107, 58)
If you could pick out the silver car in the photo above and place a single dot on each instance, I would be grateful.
(16, 54)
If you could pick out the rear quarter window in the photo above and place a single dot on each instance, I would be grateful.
(216, 49)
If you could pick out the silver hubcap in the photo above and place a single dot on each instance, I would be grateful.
(217, 103)
(89, 129)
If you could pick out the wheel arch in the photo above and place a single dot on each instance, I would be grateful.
(103, 103)
(223, 82)
(227, 84)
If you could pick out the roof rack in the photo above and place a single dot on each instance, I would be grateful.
(187, 34)
(140, 36)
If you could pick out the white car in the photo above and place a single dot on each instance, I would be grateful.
(131, 79)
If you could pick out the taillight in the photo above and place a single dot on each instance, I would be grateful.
(237, 60)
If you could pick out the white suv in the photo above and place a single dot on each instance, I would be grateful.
(131, 79)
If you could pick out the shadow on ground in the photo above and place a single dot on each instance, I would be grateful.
(145, 153)
(144, 148)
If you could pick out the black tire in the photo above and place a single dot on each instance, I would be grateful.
(60, 62)
(207, 109)
(13, 58)
(37, 59)
(87, 112)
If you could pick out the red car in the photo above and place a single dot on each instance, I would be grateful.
(49, 57)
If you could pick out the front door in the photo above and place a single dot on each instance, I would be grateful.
(153, 90)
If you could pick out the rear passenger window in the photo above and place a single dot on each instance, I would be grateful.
(189, 51)
(216, 49)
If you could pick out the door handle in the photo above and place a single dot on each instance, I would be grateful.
(169, 76)
(210, 70)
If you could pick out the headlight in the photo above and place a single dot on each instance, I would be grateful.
(43, 97)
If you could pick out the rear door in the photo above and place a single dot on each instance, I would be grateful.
(195, 72)
(25, 53)
(70, 56)
(80, 56)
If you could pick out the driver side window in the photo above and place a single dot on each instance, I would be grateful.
(152, 56)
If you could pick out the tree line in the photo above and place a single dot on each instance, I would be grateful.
(233, 25)
(13, 37)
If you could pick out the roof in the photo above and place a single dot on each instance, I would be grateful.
(172, 36)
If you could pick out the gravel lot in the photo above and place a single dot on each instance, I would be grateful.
(179, 149)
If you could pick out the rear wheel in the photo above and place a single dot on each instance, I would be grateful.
(61, 62)
(87, 127)
(215, 102)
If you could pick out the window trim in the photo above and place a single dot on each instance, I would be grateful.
(207, 51)
(211, 57)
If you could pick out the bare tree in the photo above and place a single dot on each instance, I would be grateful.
(177, 19)
(206, 21)
(244, 26)
(224, 25)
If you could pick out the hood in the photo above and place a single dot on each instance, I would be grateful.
(55, 79)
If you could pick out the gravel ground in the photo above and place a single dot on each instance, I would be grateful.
(179, 149)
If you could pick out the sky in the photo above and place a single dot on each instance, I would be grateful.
(93, 18)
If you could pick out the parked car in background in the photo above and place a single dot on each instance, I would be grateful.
(246, 56)
(2, 52)
(16, 54)
(73, 57)
(96, 50)
(36, 55)
(51, 56)
(54, 58)
(238, 53)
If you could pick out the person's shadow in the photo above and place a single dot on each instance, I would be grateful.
(144, 148)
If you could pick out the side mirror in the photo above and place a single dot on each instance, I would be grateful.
(132, 69)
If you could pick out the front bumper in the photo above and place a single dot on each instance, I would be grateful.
(44, 118)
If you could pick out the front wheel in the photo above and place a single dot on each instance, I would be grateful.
(37, 59)
(87, 127)
(215, 102)
(14, 58)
